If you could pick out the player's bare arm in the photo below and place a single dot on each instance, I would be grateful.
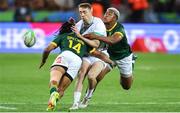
(116, 37)
(102, 56)
(93, 43)
(46, 52)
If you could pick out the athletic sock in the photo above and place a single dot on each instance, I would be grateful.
(89, 93)
(53, 87)
(77, 97)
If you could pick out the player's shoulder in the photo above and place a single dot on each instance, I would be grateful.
(119, 25)
(61, 35)
(79, 22)
(97, 20)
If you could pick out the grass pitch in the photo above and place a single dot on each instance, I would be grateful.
(156, 87)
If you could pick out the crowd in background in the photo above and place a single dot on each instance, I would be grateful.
(132, 11)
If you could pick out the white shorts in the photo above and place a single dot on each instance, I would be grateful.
(92, 59)
(69, 60)
(125, 65)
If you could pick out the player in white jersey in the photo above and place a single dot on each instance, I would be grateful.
(88, 24)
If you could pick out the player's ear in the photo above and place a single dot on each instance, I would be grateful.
(91, 10)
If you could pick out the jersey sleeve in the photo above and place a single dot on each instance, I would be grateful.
(120, 31)
(100, 28)
(90, 49)
(79, 24)
(57, 40)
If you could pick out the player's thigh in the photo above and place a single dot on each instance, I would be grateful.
(102, 74)
(56, 73)
(125, 66)
(59, 66)
(95, 69)
(73, 67)
(61, 60)
(84, 68)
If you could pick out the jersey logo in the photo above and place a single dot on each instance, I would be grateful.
(58, 60)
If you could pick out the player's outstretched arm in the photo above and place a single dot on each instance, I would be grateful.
(93, 43)
(116, 37)
(103, 56)
(45, 54)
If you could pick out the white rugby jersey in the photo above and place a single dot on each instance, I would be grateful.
(97, 26)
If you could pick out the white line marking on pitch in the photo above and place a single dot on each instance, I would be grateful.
(4, 107)
(146, 103)
(107, 103)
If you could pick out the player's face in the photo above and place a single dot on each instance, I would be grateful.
(85, 14)
(109, 16)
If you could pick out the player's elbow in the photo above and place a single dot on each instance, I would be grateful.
(96, 46)
(113, 41)
(47, 50)
(110, 43)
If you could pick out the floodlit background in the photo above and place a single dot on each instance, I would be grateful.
(153, 31)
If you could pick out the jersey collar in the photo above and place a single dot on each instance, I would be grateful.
(112, 27)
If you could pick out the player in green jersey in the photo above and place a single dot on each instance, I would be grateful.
(118, 48)
(66, 65)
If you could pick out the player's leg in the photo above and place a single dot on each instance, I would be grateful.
(55, 76)
(126, 82)
(73, 65)
(106, 70)
(79, 83)
(89, 92)
(69, 63)
(94, 71)
(126, 68)
(64, 83)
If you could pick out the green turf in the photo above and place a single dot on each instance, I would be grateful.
(23, 87)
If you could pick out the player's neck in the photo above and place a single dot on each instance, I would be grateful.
(89, 21)
(110, 25)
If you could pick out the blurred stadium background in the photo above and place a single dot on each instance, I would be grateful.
(153, 30)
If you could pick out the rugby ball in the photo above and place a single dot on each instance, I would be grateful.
(29, 38)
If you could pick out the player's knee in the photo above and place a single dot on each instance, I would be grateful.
(82, 73)
(126, 82)
(125, 87)
(91, 77)
(53, 82)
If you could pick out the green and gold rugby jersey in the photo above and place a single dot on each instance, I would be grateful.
(120, 49)
(69, 41)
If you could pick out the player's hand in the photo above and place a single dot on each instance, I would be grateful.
(75, 30)
(113, 64)
(90, 36)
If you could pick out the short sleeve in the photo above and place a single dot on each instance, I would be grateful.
(120, 31)
(100, 28)
(57, 40)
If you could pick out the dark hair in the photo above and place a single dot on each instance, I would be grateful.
(85, 5)
(66, 27)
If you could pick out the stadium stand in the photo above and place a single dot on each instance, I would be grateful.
(132, 11)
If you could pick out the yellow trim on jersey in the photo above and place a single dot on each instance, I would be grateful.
(92, 50)
(112, 27)
(119, 33)
(53, 43)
